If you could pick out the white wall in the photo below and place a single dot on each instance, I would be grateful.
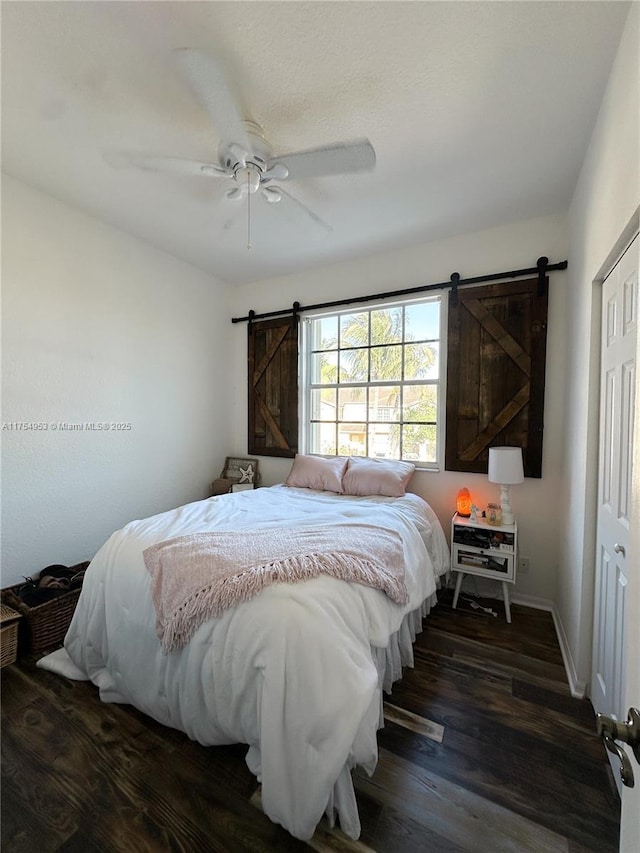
(605, 202)
(98, 326)
(510, 247)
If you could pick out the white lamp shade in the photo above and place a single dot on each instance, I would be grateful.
(505, 465)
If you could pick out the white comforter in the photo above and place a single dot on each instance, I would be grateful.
(290, 672)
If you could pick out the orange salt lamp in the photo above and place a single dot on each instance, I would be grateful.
(463, 503)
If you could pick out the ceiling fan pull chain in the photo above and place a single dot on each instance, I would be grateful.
(248, 213)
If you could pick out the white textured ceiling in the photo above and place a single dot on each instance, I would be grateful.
(480, 114)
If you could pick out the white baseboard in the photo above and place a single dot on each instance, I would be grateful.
(578, 688)
(532, 601)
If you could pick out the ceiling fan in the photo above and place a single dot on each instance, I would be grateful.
(245, 157)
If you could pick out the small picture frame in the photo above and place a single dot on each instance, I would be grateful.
(241, 471)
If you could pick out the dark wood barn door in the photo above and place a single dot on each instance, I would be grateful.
(273, 387)
(495, 374)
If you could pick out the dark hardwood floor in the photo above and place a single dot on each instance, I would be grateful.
(484, 749)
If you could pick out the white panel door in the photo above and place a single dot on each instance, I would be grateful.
(617, 410)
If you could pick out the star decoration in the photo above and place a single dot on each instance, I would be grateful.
(246, 474)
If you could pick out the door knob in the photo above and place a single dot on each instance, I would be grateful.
(619, 549)
(611, 730)
(626, 770)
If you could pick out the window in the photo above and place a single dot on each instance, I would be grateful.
(371, 382)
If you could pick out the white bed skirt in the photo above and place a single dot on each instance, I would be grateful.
(389, 662)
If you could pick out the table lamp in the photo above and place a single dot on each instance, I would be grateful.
(505, 468)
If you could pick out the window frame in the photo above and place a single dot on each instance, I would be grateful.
(439, 382)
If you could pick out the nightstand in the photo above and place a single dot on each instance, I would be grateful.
(486, 550)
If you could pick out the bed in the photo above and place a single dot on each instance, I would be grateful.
(296, 672)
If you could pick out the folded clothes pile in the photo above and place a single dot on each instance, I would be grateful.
(52, 581)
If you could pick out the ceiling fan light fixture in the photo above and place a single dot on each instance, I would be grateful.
(248, 178)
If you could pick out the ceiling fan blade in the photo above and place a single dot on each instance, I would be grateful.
(271, 194)
(170, 165)
(238, 153)
(211, 84)
(337, 159)
(307, 210)
(276, 171)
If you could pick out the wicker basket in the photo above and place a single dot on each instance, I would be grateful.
(44, 626)
(8, 635)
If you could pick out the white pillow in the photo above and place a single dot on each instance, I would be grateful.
(317, 472)
(377, 477)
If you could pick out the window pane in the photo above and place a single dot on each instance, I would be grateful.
(354, 330)
(386, 363)
(323, 404)
(354, 365)
(322, 439)
(325, 333)
(324, 368)
(422, 322)
(386, 326)
(352, 404)
(420, 403)
(419, 442)
(352, 439)
(384, 403)
(384, 441)
(421, 361)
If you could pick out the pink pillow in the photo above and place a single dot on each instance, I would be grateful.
(377, 477)
(316, 472)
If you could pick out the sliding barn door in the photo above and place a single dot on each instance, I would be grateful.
(496, 351)
(273, 387)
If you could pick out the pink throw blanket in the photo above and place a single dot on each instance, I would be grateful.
(196, 577)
